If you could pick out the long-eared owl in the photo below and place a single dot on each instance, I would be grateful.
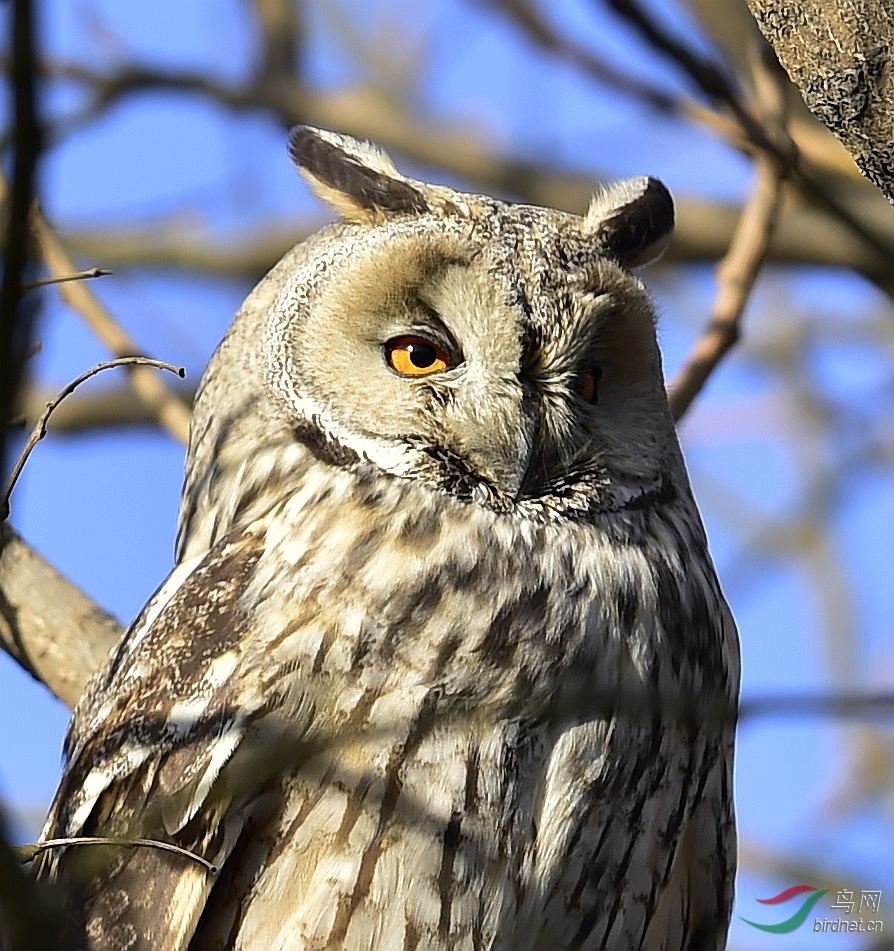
(443, 662)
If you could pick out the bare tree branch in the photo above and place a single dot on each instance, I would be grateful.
(282, 37)
(851, 233)
(713, 81)
(704, 232)
(736, 275)
(246, 256)
(47, 624)
(858, 706)
(367, 114)
(531, 21)
(738, 271)
(171, 413)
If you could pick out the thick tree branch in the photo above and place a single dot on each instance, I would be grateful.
(15, 316)
(47, 624)
(840, 56)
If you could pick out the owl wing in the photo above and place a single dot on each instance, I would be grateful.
(147, 750)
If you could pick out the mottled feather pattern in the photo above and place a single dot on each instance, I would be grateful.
(447, 673)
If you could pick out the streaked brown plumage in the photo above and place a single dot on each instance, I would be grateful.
(444, 662)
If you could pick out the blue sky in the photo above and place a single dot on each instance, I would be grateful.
(103, 507)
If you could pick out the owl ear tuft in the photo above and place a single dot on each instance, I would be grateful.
(632, 220)
(358, 179)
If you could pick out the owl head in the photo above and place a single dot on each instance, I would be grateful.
(501, 353)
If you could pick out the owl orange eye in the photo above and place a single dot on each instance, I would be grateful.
(415, 356)
(589, 385)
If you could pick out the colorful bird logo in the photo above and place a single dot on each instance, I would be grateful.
(797, 919)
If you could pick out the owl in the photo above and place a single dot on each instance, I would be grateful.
(443, 662)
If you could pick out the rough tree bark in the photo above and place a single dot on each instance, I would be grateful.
(839, 55)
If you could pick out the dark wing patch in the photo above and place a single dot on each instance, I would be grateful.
(145, 765)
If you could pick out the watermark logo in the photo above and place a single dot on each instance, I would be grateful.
(799, 917)
(870, 901)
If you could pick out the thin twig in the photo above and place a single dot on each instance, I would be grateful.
(531, 20)
(27, 853)
(84, 275)
(168, 409)
(736, 275)
(40, 427)
(738, 271)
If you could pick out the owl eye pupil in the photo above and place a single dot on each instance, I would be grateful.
(422, 355)
(411, 355)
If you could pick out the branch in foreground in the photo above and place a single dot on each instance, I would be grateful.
(47, 624)
(40, 427)
(16, 319)
(27, 853)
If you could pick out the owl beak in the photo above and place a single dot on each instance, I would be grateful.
(519, 458)
(531, 476)
(506, 464)
(517, 479)
(495, 435)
